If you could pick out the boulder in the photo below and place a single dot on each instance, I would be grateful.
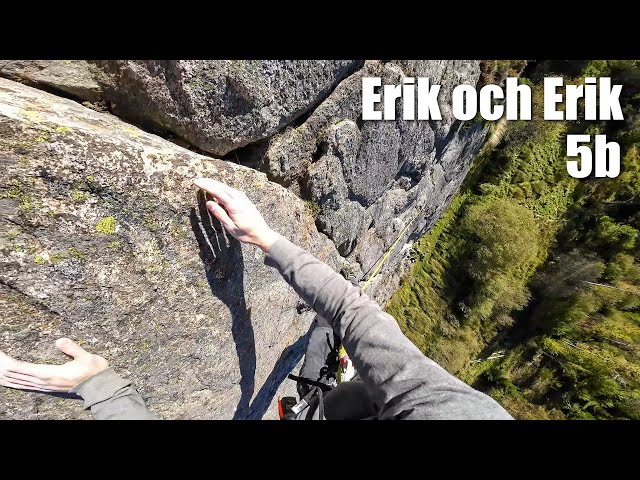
(74, 78)
(300, 122)
(104, 240)
(376, 180)
(216, 105)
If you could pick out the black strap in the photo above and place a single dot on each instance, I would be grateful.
(331, 346)
(322, 386)
(318, 388)
(320, 404)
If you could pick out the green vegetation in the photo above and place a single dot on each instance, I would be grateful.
(106, 225)
(43, 137)
(495, 71)
(71, 253)
(528, 287)
(313, 208)
(56, 258)
(77, 254)
(20, 191)
(63, 130)
(79, 196)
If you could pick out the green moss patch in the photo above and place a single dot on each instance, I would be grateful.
(106, 225)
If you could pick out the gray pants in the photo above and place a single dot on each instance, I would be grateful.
(349, 400)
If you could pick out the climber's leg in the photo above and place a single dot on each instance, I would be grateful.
(321, 358)
(319, 362)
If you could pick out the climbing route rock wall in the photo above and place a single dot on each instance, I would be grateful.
(102, 238)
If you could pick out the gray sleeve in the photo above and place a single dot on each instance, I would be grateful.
(111, 397)
(406, 383)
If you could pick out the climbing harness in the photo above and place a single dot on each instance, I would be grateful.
(311, 391)
(289, 409)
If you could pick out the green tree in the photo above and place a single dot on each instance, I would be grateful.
(541, 269)
(506, 241)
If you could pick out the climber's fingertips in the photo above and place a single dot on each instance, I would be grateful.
(20, 385)
(221, 214)
(69, 347)
(217, 189)
(232, 192)
(32, 388)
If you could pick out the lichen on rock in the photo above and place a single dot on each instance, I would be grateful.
(106, 225)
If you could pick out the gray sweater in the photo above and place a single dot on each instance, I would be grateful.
(405, 383)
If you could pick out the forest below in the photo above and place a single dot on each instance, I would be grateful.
(528, 287)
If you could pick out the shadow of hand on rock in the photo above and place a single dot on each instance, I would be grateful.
(221, 255)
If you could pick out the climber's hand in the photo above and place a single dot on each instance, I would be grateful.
(52, 378)
(238, 214)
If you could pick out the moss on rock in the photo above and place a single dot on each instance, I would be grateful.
(106, 225)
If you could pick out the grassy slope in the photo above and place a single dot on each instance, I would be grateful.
(572, 354)
(425, 303)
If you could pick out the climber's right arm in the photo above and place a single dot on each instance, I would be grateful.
(406, 383)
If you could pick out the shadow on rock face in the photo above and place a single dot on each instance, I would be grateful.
(288, 359)
(221, 255)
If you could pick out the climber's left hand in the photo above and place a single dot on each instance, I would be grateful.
(52, 378)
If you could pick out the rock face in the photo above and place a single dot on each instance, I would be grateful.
(99, 240)
(72, 77)
(366, 181)
(104, 241)
(372, 179)
(217, 106)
